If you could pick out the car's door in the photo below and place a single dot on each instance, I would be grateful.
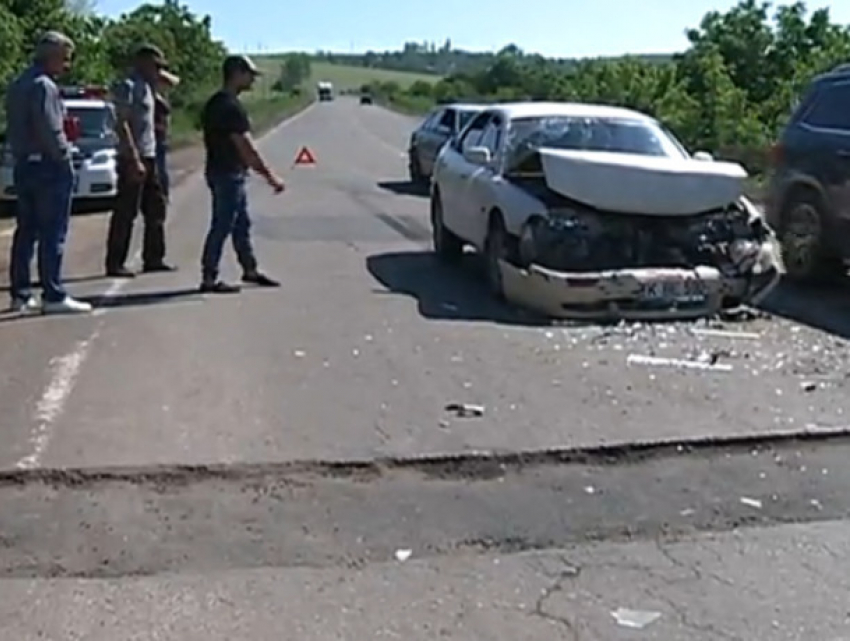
(475, 192)
(439, 134)
(829, 121)
(454, 180)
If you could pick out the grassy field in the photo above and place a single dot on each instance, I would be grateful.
(344, 77)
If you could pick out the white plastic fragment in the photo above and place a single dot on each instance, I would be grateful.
(640, 359)
(751, 502)
(403, 555)
(636, 619)
(725, 333)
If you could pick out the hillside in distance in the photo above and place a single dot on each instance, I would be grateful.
(439, 60)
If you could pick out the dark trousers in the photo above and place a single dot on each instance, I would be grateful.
(134, 195)
(162, 166)
(229, 218)
(44, 192)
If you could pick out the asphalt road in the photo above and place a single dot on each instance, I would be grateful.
(355, 359)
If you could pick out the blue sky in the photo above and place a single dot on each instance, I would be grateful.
(566, 28)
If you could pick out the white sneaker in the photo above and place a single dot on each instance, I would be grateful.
(67, 306)
(24, 305)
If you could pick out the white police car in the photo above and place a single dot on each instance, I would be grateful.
(94, 149)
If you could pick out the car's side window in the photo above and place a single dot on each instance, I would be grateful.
(472, 134)
(447, 121)
(491, 135)
(430, 121)
(831, 110)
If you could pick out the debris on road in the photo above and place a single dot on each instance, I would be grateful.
(639, 359)
(724, 333)
(636, 619)
(403, 555)
(466, 410)
(755, 503)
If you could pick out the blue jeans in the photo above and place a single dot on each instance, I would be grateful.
(229, 218)
(162, 166)
(44, 191)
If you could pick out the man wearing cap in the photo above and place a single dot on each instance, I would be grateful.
(43, 177)
(162, 120)
(139, 185)
(230, 153)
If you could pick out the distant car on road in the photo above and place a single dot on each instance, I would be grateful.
(325, 91)
(595, 212)
(808, 202)
(366, 99)
(94, 155)
(440, 125)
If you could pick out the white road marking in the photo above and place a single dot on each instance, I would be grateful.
(52, 401)
(66, 369)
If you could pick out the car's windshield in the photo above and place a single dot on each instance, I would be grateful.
(94, 122)
(621, 135)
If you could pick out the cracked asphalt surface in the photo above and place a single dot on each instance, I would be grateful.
(261, 466)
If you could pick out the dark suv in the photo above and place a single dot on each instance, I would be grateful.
(809, 197)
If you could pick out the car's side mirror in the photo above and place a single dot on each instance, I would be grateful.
(704, 156)
(477, 155)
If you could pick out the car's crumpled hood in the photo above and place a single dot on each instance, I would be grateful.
(648, 185)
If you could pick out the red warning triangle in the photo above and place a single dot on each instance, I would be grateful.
(305, 157)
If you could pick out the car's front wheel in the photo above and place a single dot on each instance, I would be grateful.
(495, 251)
(447, 245)
(803, 240)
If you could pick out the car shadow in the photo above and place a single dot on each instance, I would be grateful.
(823, 307)
(405, 188)
(446, 292)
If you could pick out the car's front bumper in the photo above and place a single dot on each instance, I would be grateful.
(633, 294)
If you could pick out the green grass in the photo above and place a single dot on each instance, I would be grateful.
(343, 76)
(265, 110)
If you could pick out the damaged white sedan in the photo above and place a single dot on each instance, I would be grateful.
(594, 212)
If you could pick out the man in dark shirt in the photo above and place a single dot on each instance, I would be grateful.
(43, 176)
(139, 184)
(230, 153)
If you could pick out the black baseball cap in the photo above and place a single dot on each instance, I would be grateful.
(239, 64)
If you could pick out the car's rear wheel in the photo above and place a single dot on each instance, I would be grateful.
(447, 245)
(495, 251)
(415, 169)
(803, 240)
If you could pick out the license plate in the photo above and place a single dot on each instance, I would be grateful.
(673, 291)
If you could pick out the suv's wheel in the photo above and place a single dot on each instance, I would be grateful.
(447, 245)
(495, 250)
(803, 239)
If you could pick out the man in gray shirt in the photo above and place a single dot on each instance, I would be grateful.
(139, 185)
(43, 175)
